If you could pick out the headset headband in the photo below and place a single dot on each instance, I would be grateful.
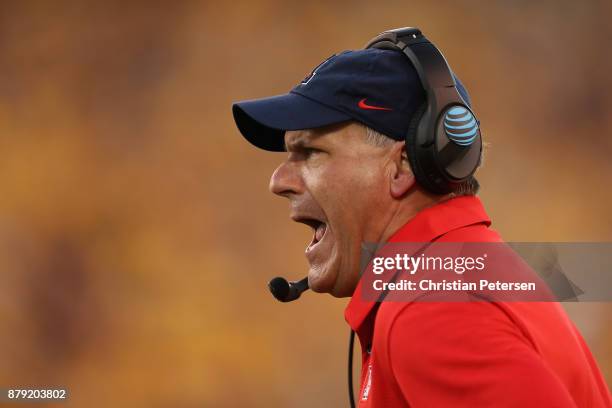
(439, 166)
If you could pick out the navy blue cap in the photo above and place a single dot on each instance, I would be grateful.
(379, 88)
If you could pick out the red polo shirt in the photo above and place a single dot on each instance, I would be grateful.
(471, 354)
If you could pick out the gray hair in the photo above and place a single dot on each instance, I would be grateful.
(468, 187)
(376, 138)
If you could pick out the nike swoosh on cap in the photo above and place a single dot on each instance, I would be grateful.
(363, 105)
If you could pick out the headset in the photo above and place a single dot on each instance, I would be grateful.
(443, 141)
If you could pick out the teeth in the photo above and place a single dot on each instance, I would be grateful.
(320, 231)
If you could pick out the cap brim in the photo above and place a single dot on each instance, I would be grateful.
(263, 122)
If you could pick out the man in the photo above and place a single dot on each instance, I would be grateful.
(348, 176)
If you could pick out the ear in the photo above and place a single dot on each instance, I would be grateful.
(402, 178)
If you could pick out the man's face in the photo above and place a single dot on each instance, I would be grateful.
(338, 184)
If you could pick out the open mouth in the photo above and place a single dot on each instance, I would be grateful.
(318, 227)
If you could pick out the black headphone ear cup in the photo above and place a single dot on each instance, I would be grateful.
(411, 149)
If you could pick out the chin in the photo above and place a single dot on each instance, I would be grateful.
(327, 280)
(320, 281)
(323, 278)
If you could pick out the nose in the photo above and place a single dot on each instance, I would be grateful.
(286, 180)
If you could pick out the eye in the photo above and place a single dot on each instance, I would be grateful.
(304, 152)
(309, 151)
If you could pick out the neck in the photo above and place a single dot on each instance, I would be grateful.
(407, 208)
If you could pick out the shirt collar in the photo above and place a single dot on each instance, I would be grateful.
(428, 225)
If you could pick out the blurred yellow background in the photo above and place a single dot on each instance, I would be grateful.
(136, 230)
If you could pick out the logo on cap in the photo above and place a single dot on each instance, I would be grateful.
(314, 71)
(460, 126)
(363, 105)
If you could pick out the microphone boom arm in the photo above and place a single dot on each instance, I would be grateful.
(285, 291)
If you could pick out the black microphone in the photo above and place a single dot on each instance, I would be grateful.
(285, 291)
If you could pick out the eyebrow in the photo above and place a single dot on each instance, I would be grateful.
(296, 145)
